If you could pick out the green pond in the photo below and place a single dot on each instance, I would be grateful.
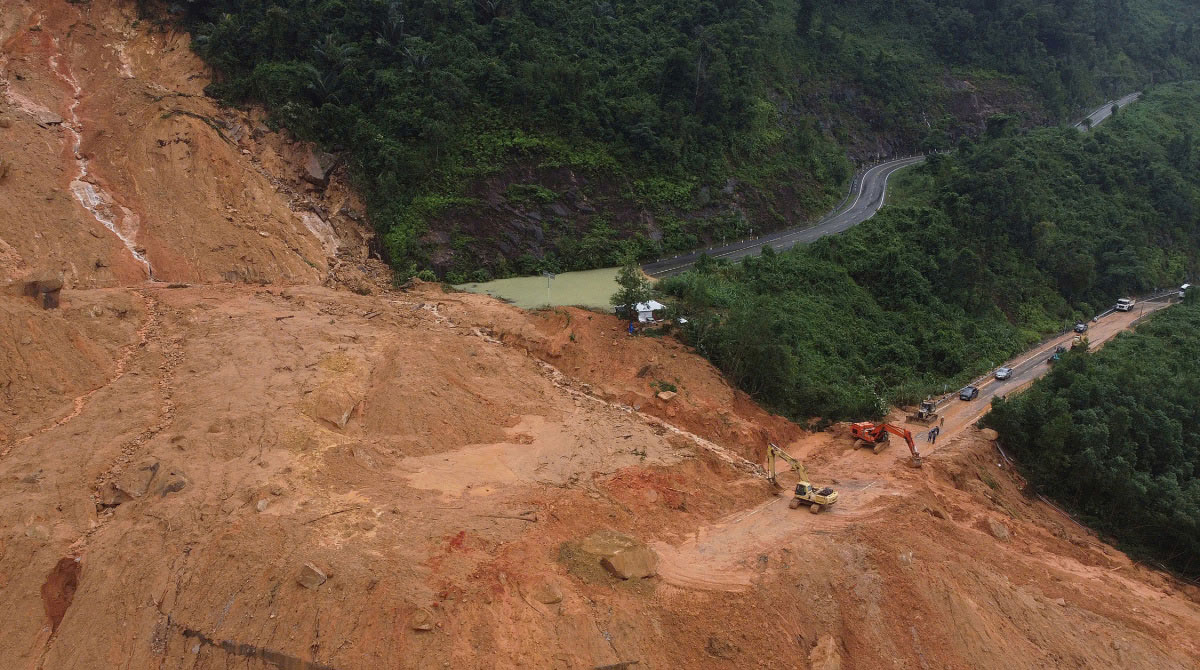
(589, 288)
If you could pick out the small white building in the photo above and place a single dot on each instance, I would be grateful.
(645, 310)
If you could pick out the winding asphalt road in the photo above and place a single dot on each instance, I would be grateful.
(1105, 111)
(864, 201)
(866, 198)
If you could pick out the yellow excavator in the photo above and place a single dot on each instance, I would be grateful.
(926, 413)
(806, 493)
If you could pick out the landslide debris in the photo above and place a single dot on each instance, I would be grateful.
(406, 534)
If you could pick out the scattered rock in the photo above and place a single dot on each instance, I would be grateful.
(32, 478)
(667, 396)
(310, 576)
(335, 405)
(997, 529)
(261, 505)
(633, 563)
(715, 646)
(547, 593)
(1061, 602)
(111, 495)
(168, 481)
(989, 434)
(39, 532)
(5, 122)
(421, 620)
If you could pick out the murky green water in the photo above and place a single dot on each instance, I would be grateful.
(590, 288)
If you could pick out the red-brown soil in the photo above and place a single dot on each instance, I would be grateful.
(172, 458)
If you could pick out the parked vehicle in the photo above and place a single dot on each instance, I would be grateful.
(968, 393)
(1183, 290)
(1081, 327)
(1125, 304)
(1058, 352)
(1003, 373)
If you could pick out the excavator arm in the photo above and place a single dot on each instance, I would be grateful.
(906, 435)
(772, 452)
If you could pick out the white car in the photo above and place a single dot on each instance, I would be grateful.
(1003, 373)
(1125, 304)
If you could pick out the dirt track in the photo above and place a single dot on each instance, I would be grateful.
(171, 458)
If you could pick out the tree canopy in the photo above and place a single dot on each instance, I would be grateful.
(657, 104)
(987, 251)
(1115, 436)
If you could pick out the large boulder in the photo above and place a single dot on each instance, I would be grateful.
(318, 165)
(633, 563)
(335, 405)
(621, 555)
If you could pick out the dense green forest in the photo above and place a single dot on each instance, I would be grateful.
(1115, 436)
(1002, 242)
(500, 136)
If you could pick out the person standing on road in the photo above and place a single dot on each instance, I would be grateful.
(941, 422)
(933, 434)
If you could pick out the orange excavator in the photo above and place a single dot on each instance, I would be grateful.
(875, 435)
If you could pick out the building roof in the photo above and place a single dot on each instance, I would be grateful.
(651, 306)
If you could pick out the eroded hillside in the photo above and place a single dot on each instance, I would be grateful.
(457, 489)
(290, 475)
(117, 165)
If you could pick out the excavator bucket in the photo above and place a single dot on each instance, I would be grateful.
(914, 462)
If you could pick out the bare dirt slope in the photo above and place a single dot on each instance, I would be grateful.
(118, 165)
(419, 450)
(233, 475)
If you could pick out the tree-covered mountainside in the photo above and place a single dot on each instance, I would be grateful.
(501, 136)
(1115, 436)
(1002, 242)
